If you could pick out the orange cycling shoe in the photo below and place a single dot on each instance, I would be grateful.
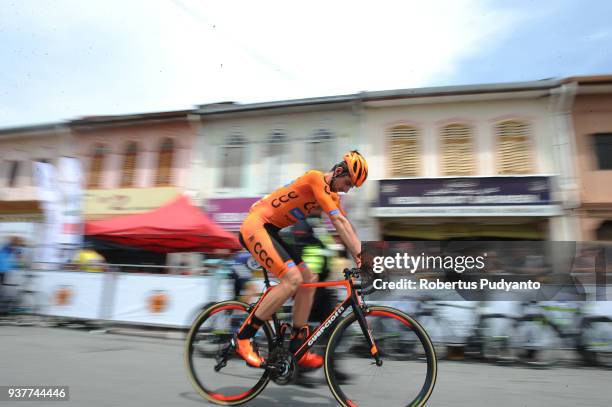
(311, 360)
(244, 348)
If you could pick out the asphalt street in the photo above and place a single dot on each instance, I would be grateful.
(105, 369)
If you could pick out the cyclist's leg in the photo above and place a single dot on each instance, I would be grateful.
(304, 297)
(302, 303)
(265, 245)
(289, 283)
(272, 256)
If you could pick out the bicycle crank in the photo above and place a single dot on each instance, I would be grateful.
(282, 366)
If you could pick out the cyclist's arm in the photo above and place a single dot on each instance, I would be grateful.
(347, 234)
(326, 200)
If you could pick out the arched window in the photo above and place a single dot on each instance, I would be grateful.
(457, 150)
(164, 163)
(274, 159)
(513, 156)
(404, 158)
(128, 174)
(321, 152)
(232, 160)
(97, 166)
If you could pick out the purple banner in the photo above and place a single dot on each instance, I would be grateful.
(473, 191)
(229, 212)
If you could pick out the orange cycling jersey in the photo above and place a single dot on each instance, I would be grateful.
(293, 202)
(282, 208)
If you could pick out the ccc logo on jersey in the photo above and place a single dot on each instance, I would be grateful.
(263, 255)
(276, 202)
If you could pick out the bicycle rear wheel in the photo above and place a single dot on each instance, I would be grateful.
(216, 371)
(407, 375)
(596, 341)
(535, 342)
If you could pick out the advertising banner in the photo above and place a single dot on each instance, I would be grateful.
(70, 293)
(70, 181)
(164, 300)
(45, 179)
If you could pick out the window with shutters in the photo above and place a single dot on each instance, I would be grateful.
(603, 150)
(275, 147)
(232, 160)
(164, 163)
(457, 150)
(128, 173)
(96, 166)
(404, 158)
(513, 147)
(322, 150)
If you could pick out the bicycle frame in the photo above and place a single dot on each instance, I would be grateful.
(352, 300)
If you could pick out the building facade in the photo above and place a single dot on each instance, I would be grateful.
(21, 204)
(243, 152)
(592, 121)
(469, 162)
(133, 163)
(479, 161)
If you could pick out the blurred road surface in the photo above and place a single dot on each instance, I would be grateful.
(118, 370)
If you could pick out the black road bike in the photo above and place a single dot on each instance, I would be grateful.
(357, 373)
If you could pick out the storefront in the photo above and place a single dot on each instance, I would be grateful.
(499, 207)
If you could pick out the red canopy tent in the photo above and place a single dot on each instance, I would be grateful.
(175, 227)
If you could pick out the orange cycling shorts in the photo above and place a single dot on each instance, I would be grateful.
(264, 243)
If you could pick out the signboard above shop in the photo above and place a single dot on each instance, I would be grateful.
(466, 196)
(107, 203)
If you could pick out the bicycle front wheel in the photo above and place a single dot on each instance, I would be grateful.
(216, 371)
(408, 373)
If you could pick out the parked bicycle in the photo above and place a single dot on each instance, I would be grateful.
(545, 330)
(223, 377)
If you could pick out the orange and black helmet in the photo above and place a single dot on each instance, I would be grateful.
(357, 167)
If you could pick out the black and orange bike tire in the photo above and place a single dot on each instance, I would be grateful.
(198, 384)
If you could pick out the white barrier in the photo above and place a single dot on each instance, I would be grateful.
(70, 294)
(129, 298)
(165, 300)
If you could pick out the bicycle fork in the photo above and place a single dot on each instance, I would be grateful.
(367, 332)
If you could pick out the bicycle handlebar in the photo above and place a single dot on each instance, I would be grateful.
(354, 272)
(358, 285)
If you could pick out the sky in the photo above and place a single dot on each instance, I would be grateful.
(64, 59)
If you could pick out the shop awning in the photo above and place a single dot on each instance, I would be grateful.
(175, 227)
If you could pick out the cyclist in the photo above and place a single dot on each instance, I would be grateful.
(259, 234)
